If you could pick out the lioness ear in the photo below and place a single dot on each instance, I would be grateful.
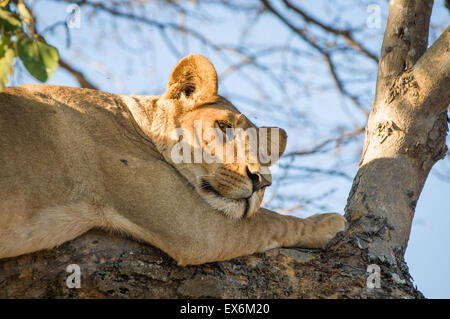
(272, 142)
(194, 77)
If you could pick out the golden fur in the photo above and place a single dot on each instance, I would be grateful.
(74, 159)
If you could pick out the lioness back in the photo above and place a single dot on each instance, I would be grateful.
(57, 150)
(52, 133)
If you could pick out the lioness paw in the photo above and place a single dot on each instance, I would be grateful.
(327, 226)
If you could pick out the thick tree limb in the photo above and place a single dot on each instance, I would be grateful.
(405, 40)
(117, 267)
(432, 73)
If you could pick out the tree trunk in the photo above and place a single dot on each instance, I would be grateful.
(405, 132)
(405, 136)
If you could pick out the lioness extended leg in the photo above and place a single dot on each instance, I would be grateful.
(213, 237)
(264, 231)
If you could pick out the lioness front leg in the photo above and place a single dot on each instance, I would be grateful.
(265, 230)
(289, 231)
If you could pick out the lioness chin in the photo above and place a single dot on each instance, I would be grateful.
(74, 159)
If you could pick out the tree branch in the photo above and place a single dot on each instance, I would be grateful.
(84, 83)
(319, 147)
(346, 34)
(432, 73)
(301, 33)
(145, 20)
(405, 40)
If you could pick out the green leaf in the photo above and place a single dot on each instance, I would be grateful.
(9, 20)
(39, 58)
(7, 54)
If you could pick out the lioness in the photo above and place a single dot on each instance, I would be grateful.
(73, 159)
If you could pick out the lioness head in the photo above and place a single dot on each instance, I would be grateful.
(221, 153)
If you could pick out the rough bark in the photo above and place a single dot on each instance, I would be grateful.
(405, 132)
(117, 267)
(405, 136)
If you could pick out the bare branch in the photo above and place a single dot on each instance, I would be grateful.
(319, 147)
(340, 85)
(145, 20)
(346, 34)
(84, 83)
(302, 34)
(315, 170)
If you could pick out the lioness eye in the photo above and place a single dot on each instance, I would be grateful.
(223, 125)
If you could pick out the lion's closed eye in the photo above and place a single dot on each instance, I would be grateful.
(223, 125)
(226, 127)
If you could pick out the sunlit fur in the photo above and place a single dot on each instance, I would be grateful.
(74, 159)
(233, 194)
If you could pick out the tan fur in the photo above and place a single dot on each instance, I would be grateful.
(74, 159)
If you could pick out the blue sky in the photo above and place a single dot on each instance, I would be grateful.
(108, 52)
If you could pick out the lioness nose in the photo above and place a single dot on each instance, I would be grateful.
(258, 180)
